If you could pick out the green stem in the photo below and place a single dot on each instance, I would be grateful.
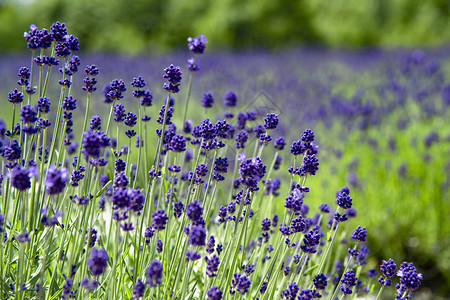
(330, 244)
(109, 118)
(159, 149)
(88, 101)
(380, 292)
(188, 95)
(139, 147)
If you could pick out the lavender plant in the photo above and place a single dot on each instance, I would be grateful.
(85, 217)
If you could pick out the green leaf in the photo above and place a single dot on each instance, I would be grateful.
(127, 290)
(309, 271)
(103, 189)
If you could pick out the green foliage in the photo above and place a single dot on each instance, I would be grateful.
(140, 25)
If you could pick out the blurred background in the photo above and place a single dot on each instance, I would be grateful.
(151, 25)
(371, 78)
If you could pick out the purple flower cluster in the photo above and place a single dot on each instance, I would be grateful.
(240, 283)
(197, 44)
(173, 76)
(97, 261)
(93, 142)
(252, 171)
(56, 180)
(154, 273)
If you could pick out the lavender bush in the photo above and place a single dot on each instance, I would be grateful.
(115, 211)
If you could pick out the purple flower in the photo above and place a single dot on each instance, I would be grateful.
(265, 224)
(89, 284)
(212, 265)
(119, 165)
(320, 281)
(263, 288)
(93, 142)
(154, 273)
(23, 73)
(178, 143)
(298, 224)
(159, 246)
(221, 165)
(279, 143)
(92, 70)
(241, 138)
(197, 235)
(194, 211)
(13, 151)
(23, 237)
(252, 171)
(372, 273)
(56, 180)
(89, 85)
(192, 66)
(209, 246)
(308, 295)
(20, 178)
(388, 268)
(149, 233)
(130, 119)
(192, 256)
(58, 31)
(207, 130)
(95, 123)
(138, 82)
(97, 261)
(120, 198)
(324, 208)
(139, 289)
(15, 96)
(214, 293)
(359, 234)
(159, 219)
(307, 136)
(115, 90)
(348, 282)
(340, 218)
(409, 277)
(310, 165)
(294, 201)
(241, 283)
(28, 114)
(207, 100)
(43, 105)
(291, 292)
(344, 200)
(119, 112)
(271, 121)
(230, 99)
(146, 98)
(310, 242)
(173, 76)
(69, 103)
(197, 44)
(160, 119)
(137, 199)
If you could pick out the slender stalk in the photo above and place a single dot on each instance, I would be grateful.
(58, 121)
(88, 101)
(380, 292)
(139, 146)
(110, 117)
(163, 129)
(188, 95)
(330, 245)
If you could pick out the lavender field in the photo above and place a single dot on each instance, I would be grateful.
(293, 150)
